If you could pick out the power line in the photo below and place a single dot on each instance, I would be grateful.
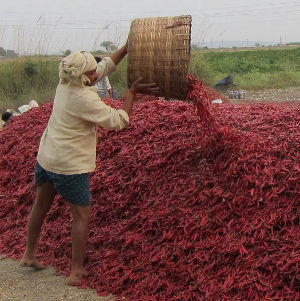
(213, 11)
(194, 21)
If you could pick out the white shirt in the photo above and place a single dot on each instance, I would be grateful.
(103, 85)
(68, 144)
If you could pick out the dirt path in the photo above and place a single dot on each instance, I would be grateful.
(25, 284)
(275, 95)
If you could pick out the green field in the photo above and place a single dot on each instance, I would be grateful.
(252, 69)
(36, 77)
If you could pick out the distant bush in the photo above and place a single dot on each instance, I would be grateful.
(201, 68)
(27, 78)
(118, 79)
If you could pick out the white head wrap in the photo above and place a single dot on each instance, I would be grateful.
(75, 65)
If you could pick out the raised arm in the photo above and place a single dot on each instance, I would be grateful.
(119, 54)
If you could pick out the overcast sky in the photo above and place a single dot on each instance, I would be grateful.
(47, 26)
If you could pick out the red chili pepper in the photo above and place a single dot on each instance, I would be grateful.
(194, 202)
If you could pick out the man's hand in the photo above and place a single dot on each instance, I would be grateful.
(144, 88)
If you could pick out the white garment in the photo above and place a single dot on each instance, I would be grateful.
(103, 86)
(33, 104)
(68, 144)
(24, 108)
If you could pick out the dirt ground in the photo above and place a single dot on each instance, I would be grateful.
(24, 284)
(274, 95)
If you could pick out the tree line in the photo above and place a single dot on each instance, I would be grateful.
(107, 45)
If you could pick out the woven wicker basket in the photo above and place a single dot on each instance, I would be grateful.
(159, 51)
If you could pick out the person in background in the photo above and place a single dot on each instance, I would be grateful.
(24, 108)
(8, 114)
(67, 151)
(103, 86)
(6, 118)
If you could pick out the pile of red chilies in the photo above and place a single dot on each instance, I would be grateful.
(187, 205)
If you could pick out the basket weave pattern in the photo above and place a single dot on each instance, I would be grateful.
(159, 51)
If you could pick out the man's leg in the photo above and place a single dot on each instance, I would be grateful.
(81, 216)
(43, 201)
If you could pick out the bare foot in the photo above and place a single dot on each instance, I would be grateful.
(75, 278)
(32, 263)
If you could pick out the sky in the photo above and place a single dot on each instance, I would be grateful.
(52, 26)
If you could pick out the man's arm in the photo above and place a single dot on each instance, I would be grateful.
(119, 54)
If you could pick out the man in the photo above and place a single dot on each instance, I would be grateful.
(103, 86)
(67, 151)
